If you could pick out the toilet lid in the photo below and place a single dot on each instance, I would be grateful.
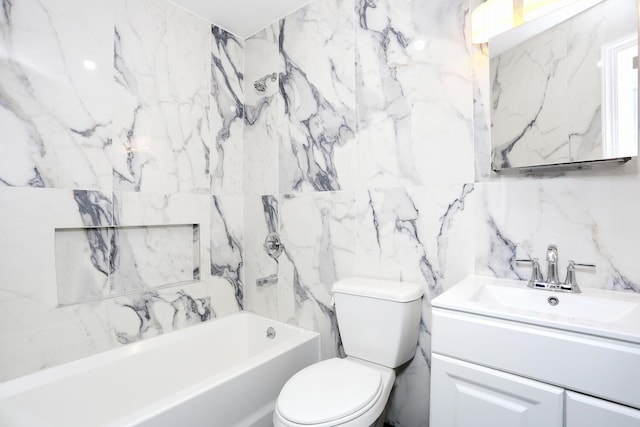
(329, 390)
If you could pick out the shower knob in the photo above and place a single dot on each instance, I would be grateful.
(273, 245)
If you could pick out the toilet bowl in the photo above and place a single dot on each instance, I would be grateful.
(336, 392)
(379, 323)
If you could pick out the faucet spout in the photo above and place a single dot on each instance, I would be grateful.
(552, 265)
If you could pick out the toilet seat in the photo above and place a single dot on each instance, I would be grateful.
(329, 393)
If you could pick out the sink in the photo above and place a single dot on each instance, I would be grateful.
(587, 343)
(609, 314)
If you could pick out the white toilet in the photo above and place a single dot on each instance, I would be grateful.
(378, 322)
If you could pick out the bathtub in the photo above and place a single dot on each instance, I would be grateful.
(223, 373)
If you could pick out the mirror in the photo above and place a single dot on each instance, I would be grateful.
(564, 87)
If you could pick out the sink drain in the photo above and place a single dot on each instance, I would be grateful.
(553, 301)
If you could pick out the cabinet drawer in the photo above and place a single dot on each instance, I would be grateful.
(587, 411)
(467, 395)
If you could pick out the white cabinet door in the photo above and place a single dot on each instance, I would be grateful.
(468, 395)
(587, 411)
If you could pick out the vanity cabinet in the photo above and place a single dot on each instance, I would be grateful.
(468, 395)
(587, 411)
(494, 372)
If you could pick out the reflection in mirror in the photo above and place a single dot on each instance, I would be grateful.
(569, 93)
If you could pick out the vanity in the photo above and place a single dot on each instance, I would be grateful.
(505, 355)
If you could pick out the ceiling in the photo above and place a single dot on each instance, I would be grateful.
(241, 17)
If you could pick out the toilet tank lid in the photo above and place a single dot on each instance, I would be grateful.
(382, 289)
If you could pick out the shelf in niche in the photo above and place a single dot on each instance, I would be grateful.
(105, 262)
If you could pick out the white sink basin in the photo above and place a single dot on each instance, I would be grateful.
(598, 312)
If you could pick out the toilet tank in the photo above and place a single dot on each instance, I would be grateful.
(378, 320)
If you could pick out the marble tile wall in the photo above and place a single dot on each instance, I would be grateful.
(590, 215)
(369, 154)
(419, 201)
(122, 129)
(371, 120)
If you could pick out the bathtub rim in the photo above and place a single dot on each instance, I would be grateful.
(49, 375)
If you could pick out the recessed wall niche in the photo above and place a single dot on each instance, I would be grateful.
(103, 262)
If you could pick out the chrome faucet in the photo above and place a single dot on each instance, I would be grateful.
(552, 282)
(552, 265)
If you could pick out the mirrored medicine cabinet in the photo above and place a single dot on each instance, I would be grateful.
(564, 88)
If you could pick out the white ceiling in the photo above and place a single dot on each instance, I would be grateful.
(241, 17)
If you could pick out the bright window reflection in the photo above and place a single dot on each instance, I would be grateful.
(620, 97)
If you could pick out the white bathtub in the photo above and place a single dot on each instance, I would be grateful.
(222, 373)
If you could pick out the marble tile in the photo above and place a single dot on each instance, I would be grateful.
(227, 112)
(137, 209)
(145, 315)
(29, 218)
(34, 334)
(416, 234)
(413, 86)
(227, 259)
(319, 237)
(55, 99)
(263, 113)
(260, 219)
(147, 257)
(530, 122)
(420, 235)
(161, 138)
(83, 255)
(150, 220)
(317, 135)
(157, 121)
(82, 263)
(590, 219)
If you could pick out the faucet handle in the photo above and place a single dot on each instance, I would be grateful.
(570, 282)
(580, 264)
(536, 275)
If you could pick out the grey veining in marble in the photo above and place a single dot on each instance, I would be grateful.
(319, 237)
(226, 242)
(261, 218)
(503, 253)
(162, 70)
(96, 209)
(55, 121)
(317, 89)
(519, 218)
(411, 75)
(270, 206)
(228, 111)
(184, 310)
(100, 96)
(559, 114)
(420, 235)
(262, 114)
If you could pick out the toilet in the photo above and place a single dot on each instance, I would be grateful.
(378, 322)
